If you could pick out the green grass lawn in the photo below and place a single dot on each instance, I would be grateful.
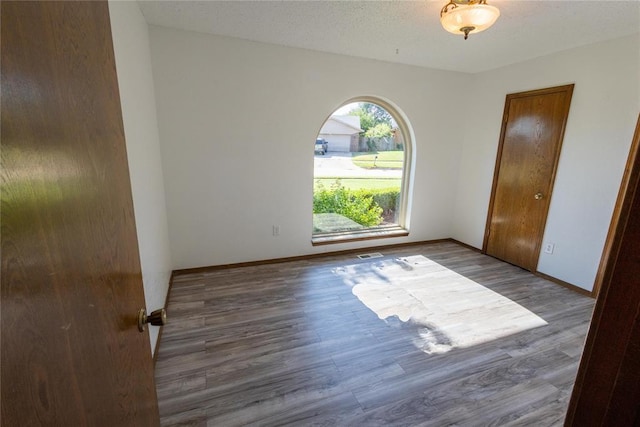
(358, 183)
(385, 160)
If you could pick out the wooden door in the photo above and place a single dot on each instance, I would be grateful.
(530, 141)
(71, 286)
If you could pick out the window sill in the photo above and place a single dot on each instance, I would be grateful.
(356, 236)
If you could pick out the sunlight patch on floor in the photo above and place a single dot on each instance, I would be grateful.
(443, 309)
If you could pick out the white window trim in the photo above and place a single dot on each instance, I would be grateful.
(406, 188)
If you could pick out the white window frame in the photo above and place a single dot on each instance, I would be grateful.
(406, 187)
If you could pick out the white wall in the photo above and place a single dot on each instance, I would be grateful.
(234, 164)
(603, 113)
(234, 117)
(133, 63)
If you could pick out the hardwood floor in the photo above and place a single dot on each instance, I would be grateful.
(429, 335)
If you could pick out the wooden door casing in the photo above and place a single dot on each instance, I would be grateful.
(634, 152)
(529, 149)
(71, 281)
(607, 388)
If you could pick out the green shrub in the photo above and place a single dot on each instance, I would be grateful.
(386, 198)
(371, 145)
(357, 205)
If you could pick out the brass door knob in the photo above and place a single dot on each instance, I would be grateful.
(538, 196)
(157, 318)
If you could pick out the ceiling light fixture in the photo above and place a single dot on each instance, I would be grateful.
(468, 16)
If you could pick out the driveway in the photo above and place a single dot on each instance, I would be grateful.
(339, 165)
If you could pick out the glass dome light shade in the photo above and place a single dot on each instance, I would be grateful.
(477, 16)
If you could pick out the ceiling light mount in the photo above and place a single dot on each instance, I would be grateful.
(468, 16)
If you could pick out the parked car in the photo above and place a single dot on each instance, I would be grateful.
(321, 147)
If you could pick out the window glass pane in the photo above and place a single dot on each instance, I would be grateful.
(359, 160)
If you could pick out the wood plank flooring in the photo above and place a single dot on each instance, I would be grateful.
(401, 340)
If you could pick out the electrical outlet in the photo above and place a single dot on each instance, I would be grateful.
(276, 230)
(548, 248)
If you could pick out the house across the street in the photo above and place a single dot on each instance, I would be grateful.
(341, 132)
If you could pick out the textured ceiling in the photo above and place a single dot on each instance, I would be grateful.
(406, 32)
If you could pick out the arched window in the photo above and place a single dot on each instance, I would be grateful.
(362, 159)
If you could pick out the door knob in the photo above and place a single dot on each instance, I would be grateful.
(538, 196)
(157, 318)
